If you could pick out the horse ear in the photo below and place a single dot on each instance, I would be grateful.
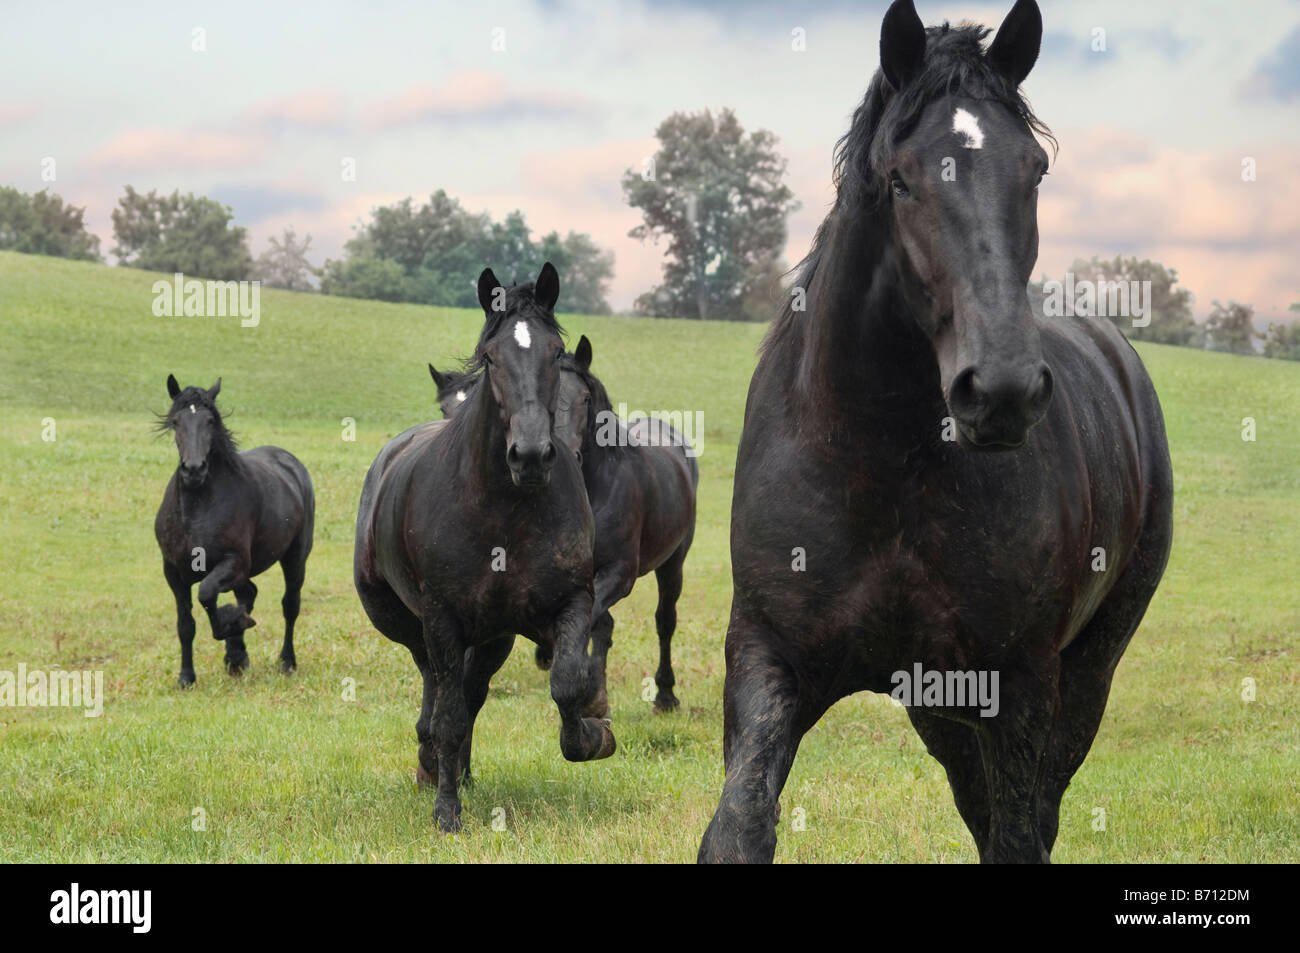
(902, 43)
(583, 353)
(547, 290)
(215, 389)
(487, 283)
(438, 379)
(173, 388)
(1015, 48)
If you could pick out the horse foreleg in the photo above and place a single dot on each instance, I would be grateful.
(763, 721)
(226, 576)
(572, 686)
(1013, 746)
(180, 588)
(444, 645)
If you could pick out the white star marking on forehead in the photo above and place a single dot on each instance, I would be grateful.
(521, 335)
(968, 127)
(460, 396)
(192, 410)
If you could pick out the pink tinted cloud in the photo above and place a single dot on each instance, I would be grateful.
(309, 109)
(166, 150)
(13, 113)
(1115, 192)
(469, 95)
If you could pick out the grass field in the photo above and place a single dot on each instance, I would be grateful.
(288, 769)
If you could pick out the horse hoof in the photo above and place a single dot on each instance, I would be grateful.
(448, 820)
(666, 704)
(186, 680)
(288, 666)
(607, 743)
(542, 656)
(237, 667)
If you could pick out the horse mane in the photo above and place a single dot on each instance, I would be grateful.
(224, 446)
(954, 65)
(600, 402)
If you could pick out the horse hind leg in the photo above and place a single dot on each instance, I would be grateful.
(669, 578)
(956, 746)
(294, 566)
(482, 662)
(1087, 667)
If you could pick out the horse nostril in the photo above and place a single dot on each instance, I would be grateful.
(1041, 394)
(512, 455)
(548, 454)
(963, 394)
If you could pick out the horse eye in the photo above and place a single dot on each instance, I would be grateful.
(898, 186)
(1041, 175)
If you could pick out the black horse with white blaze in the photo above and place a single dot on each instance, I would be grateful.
(944, 464)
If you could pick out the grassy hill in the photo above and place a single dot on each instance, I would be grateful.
(288, 770)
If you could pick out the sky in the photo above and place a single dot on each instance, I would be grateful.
(542, 106)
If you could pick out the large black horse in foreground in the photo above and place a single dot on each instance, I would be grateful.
(226, 516)
(475, 528)
(864, 540)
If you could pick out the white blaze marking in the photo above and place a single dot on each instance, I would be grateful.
(966, 125)
(521, 335)
(192, 410)
(460, 397)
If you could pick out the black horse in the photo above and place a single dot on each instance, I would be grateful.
(453, 389)
(229, 515)
(864, 539)
(507, 548)
(641, 480)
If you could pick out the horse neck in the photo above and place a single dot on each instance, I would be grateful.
(871, 377)
(485, 437)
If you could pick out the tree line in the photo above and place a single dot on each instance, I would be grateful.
(713, 194)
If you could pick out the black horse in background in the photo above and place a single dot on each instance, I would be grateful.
(642, 486)
(474, 529)
(865, 539)
(229, 515)
(453, 389)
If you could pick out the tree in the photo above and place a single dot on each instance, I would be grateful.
(585, 271)
(1231, 328)
(41, 224)
(1283, 340)
(180, 233)
(285, 264)
(716, 194)
(432, 254)
(1171, 306)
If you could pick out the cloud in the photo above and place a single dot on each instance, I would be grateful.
(11, 114)
(314, 109)
(1115, 192)
(476, 96)
(254, 204)
(1278, 75)
(167, 150)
